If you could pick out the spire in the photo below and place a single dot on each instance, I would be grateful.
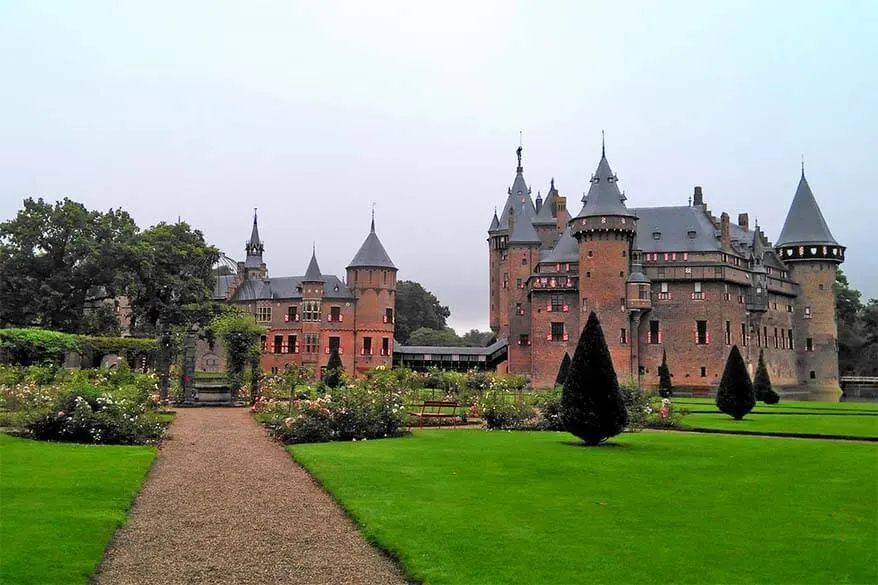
(604, 197)
(312, 274)
(372, 230)
(495, 223)
(804, 223)
(372, 253)
(254, 247)
(254, 235)
(603, 145)
(517, 194)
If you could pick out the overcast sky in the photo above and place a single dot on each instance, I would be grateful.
(311, 111)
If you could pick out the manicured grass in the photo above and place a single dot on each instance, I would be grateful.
(469, 507)
(59, 506)
(709, 405)
(805, 424)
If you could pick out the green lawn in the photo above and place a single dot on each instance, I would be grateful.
(709, 405)
(472, 507)
(813, 424)
(59, 506)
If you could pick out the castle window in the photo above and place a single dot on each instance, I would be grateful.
(557, 333)
(643, 292)
(654, 336)
(518, 283)
(262, 342)
(524, 260)
(807, 312)
(588, 274)
(783, 338)
(505, 280)
(691, 234)
(584, 304)
(590, 253)
(622, 274)
(622, 303)
(311, 311)
(812, 375)
(385, 346)
(717, 270)
(278, 343)
(519, 310)
(263, 314)
(335, 314)
(656, 235)
(820, 286)
(790, 339)
(292, 344)
(334, 344)
(789, 308)
(557, 303)
(703, 372)
(367, 346)
(524, 339)
(623, 336)
(661, 270)
(292, 314)
(728, 332)
(388, 316)
(809, 344)
(702, 336)
(743, 334)
(624, 253)
(758, 338)
(776, 340)
(312, 343)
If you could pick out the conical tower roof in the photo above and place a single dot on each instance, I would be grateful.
(523, 231)
(545, 217)
(604, 197)
(495, 223)
(518, 199)
(804, 223)
(254, 247)
(372, 253)
(312, 274)
(254, 233)
(565, 250)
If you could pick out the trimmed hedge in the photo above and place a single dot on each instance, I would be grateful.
(37, 346)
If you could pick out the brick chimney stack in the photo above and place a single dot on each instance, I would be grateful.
(698, 198)
(725, 231)
(744, 221)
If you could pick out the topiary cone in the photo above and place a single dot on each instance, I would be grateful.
(735, 395)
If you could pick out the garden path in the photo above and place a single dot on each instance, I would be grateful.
(225, 504)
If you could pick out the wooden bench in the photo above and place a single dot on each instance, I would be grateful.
(432, 409)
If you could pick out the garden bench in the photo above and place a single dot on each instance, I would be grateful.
(433, 409)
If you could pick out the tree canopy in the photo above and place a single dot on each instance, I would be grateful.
(857, 330)
(417, 307)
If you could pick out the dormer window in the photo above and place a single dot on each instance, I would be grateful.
(691, 234)
(656, 235)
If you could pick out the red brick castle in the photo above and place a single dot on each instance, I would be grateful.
(663, 278)
(310, 315)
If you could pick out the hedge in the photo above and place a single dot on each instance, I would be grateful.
(35, 346)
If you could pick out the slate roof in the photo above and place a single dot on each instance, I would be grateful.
(604, 197)
(544, 217)
(441, 349)
(312, 274)
(804, 223)
(565, 250)
(518, 194)
(523, 231)
(221, 286)
(495, 223)
(288, 287)
(254, 234)
(674, 224)
(372, 253)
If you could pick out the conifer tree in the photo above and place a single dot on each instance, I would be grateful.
(563, 369)
(762, 383)
(666, 388)
(592, 407)
(334, 369)
(735, 395)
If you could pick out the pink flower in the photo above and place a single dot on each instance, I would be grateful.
(60, 413)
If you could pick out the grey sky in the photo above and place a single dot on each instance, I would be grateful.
(310, 111)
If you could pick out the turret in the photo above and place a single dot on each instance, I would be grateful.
(812, 254)
(606, 230)
(371, 276)
(253, 267)
(757, 299)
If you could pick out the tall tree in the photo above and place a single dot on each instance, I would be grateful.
(332, 377)
(476, 338)
(58, 260)
(592, 407)
(735, 395)
(417, 307)
(563, 370)
(426, 336)
(666, 387)
(762, 383)
(171, 286)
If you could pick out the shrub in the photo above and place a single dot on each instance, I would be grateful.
(563, 369)
(666, 416)
(334, 370)
(666, 388)
(36, 346)
(735, 395)
(762, 383)
(591, 404)
(638, 406)
(500, 410)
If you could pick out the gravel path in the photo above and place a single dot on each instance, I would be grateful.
(225, 504)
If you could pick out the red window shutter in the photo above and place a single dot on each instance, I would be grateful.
(340, 318)
(549, 336)
(558, 267)
(659, 336)
(565, 337)
(696, 336)
(549, 307)
(707, 337)
(340, 351)
(327, 349)
(286, 318)
(566, 308)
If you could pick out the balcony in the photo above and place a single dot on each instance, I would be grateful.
(756, 303)
(634, 304)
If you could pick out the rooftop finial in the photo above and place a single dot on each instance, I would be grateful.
(803, 166)
(518, 153)
(603, 145)
(372, 229)
(254, 215)
(313, 247)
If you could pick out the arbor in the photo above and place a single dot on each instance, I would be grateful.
(240, 335)
(666, 388)
(563, 369)
(762, 383)
(735, 395)
(332, 377)
(58, 260)
(171, 287)
(592, 407)
(417, 307)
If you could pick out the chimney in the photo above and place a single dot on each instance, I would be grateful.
(561, 213)
(511, 220)
(744, 221)
(698, 198)
(725, 231)
(539, 202)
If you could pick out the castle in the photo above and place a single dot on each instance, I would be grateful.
(307, 317)
(675, 279)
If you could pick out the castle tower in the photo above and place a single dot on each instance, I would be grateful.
(253, 267)
(519, 209)
(606, 229)
(812, 254)
(312, 310)
(546, 221)
(371, 276)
